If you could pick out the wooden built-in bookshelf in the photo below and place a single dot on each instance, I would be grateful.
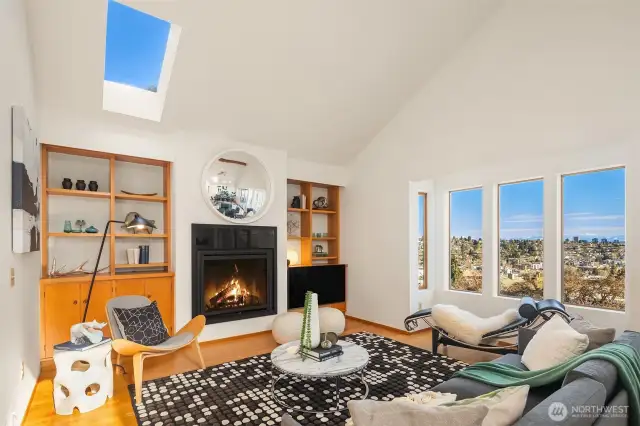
(63, 299)
(310, 216)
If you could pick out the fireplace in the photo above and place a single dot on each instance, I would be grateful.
(234, 272)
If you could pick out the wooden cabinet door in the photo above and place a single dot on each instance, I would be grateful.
(133, 287)
(161, 291)
(61, 311)
(102, 292)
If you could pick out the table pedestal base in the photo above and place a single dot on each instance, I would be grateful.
(336, 395)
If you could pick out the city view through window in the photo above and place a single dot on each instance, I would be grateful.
(521, 244)
(593, 251)
(593, 239)
(465, 232)
(422, 226)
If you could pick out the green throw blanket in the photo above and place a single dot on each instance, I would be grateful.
(623, 356)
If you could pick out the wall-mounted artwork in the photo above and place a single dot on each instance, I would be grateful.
(25, 181)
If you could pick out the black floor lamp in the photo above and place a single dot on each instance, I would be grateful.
(132, 221)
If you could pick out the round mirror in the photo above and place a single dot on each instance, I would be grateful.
(237, 186)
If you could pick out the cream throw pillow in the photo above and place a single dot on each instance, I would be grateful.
(555, 343)
(405, 413)
(505, 405)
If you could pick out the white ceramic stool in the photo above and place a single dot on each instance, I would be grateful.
(83, 379)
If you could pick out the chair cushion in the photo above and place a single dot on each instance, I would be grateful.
(142, 325)
(176, 342)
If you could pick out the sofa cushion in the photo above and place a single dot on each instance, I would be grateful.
(555, 343)
(583, 392)
(598, 336)
(402, 413)
(596, 369)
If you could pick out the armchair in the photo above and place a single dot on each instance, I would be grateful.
(187, 336)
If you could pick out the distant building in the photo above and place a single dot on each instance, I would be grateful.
(576, 239)
(594, 241)
(604, 240)
(537, 266)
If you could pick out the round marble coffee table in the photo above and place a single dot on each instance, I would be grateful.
(285, 362)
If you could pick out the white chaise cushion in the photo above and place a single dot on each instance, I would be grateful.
(555, 343)
(467, 327)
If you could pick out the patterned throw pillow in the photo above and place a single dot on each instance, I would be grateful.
(142, 325)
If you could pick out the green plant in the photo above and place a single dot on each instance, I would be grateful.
(305, 331)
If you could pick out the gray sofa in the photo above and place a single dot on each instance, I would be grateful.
(592, 384)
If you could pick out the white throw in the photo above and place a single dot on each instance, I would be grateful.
(467, 327)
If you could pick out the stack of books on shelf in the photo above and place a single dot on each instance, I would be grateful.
(320, 354)
(70, 346)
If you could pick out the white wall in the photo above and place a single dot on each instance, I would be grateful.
(189, 154)
(317, 172)
(544, 87)
(19, 305)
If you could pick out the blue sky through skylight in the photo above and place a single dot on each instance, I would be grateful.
(135, 47)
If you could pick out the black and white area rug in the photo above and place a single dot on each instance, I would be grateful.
(238, 393)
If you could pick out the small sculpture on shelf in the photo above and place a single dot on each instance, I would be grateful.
(81, 185)
(67, 227)
(66, 183)
(91, 230)
(320, 203)
(296, 203)
(293, 228)
(55, 272)
(93, 186)
(80, 223)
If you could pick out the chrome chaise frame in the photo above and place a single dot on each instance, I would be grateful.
(532, 316)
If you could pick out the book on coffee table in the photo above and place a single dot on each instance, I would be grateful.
(322, 354)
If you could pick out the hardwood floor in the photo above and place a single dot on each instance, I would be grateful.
(118, 411)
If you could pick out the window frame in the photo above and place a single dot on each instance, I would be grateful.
(561, 239)
(449, 193)
(423, 197)
(515, 182)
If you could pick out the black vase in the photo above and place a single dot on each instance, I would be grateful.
(66, 183)
(80, 185)
(93, 185)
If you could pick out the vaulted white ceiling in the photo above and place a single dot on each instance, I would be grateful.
(318, 78)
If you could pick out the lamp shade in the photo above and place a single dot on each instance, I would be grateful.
(292, 257)
(135, 221)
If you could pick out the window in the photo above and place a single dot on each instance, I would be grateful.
(520, 234)
(593, 228)
(465, 233)
(140, 50)
(135, 48)
(422, 241)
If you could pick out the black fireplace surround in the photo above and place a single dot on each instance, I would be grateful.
(234, 271)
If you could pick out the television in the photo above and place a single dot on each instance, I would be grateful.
(328, 281)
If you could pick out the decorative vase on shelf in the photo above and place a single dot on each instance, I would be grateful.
(66, 183)
(80, 185)
(93, 186)
(310, 332)
(67, 226)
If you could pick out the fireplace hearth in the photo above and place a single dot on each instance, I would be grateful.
(234, 271)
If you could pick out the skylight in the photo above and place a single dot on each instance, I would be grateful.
(139, 55)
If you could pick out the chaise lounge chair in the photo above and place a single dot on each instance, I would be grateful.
(532, 316)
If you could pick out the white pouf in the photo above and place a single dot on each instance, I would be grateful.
(331, 319)
(286, 327)
(74, 379)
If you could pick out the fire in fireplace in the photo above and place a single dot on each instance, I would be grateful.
(239, 283)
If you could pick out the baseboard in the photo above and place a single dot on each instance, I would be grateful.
(388, 327)
(241, 336)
